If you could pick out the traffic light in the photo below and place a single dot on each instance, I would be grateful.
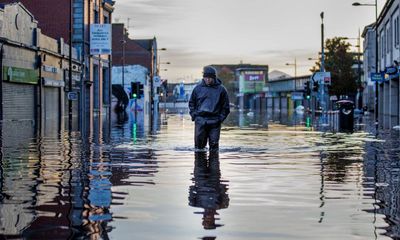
(134, 90)
(140, 90)
(307, 90)
(315, 86)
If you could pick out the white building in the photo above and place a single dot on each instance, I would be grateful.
(369, 65)
(388, 55)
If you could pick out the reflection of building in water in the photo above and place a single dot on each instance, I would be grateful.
(17, 196)
(382, 177)
(208, 191)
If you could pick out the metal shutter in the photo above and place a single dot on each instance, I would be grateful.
(51, 110)
(19, 101)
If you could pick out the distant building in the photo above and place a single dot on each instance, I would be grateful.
(369, 65)
(245, 84)
(277, 75)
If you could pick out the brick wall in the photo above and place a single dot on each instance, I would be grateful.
(53, 16)
(134, 53)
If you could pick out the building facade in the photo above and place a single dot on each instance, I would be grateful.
(33, 68)
(285, 94)
(55, 19)
(135, 60)
(389, 57)
(245, 83)
(369, 65)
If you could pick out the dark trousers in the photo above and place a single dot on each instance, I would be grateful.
(207, 131)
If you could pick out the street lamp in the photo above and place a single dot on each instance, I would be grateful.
(123, 42)
(154, 70)
(359, 64)
(295, 67)
(356, 4)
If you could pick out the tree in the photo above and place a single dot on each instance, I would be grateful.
(339, 61)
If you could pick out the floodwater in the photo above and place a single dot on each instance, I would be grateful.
(269, 181)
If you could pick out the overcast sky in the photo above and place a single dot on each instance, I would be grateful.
(273, 32)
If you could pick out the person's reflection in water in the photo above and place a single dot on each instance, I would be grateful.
(208, 191)
(122, 116)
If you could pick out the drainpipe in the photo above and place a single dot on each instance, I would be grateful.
(41, 110)
(1, 122)
(1, 82)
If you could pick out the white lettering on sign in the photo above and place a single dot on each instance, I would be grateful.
(100, 39)
(50, 69)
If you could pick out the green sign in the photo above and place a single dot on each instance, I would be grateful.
(20, 75)
(252, 87)
(251, 81)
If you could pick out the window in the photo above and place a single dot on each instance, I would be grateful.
(396, 31)
(388, 39)
(96, 16)
(106, 19)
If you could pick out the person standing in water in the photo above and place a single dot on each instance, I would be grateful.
(209, 107)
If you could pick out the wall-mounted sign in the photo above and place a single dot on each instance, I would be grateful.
(254, 77)
(73, 96)
(100, 39)
(377, 77)
(20, 75)
(50, 69)
(297, 96)
(251, 81)
(53, 83)
(391, 70)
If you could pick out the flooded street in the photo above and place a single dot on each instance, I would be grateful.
(269, 181)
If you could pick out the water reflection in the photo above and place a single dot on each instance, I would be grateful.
(382, 178)
(208, 191)
(120, 180)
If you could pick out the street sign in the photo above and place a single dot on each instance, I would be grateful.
(391, 70)
(297, 96)
(377, 77)
(322, 77)
(73, 96)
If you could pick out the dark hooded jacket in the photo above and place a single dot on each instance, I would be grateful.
(209, 102)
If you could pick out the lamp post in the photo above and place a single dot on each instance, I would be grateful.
(295, 67)
(322, 43)
(123, 42)
(358, 63)
(154, 70)
(356, 4)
